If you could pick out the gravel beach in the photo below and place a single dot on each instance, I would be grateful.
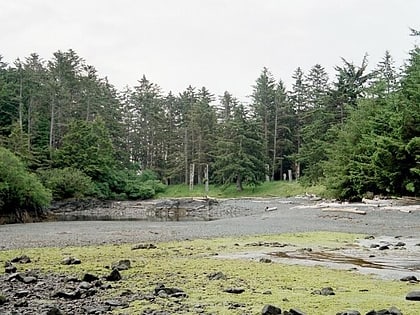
(235, 217)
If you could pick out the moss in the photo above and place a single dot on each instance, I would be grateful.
(187, 265)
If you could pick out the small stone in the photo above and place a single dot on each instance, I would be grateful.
(116, 303)
(394, 311)
(217, 276)
(54, 311)
(409, 278)
(400, 244)
(114, 276)
(122, 265)
(85, 285)
(73, 295)
(22, 293)
(269, 309)
(71, 261)
(349, 312)
(266, 260)
(327, 291)
(21, 303)
(21, 259)
(413, 296)
(29, 280)
(234, 290)
(143, 246)
(383, 247)
(9, 267)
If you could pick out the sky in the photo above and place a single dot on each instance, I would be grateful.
(220, 44)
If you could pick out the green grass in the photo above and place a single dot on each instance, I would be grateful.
(266, 189)
(187, 264)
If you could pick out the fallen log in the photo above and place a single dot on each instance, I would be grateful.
(346, 210)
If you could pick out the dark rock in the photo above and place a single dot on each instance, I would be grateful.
(144, 246)
(266, 260)
(21, 293)
(350, 312)
(400, 244)
(54, 311)
(89, 277)
(409, 278)
(234, 305)
(9, 267)
(163, 291)
(374, 245)
(21, 303)
(122, 265)
(71, 261)
(114, 276)
(3, 299)
(413, 296)
(370, 237)
(21, 259)
(234, 290)
(383, 247)
(217, 276)
(270, 310)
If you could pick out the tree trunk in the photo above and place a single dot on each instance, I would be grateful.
(239, 183)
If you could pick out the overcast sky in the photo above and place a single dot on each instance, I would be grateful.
(219, 44)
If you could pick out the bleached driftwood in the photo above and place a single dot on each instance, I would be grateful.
(347, 210)
(270, 208)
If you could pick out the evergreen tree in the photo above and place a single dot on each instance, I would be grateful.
(264, 110)
(238, 154)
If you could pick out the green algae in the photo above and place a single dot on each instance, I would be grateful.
(188, 264)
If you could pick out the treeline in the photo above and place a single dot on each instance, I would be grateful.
(356, 133)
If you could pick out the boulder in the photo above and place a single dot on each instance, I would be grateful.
(349, 312)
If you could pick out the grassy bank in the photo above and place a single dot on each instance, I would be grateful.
(187, 265)
(266, 189)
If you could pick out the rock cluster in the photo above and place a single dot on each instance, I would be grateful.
(33, 292)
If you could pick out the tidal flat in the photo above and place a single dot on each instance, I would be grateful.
(247, 281)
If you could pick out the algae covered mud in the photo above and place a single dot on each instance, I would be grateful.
(230, 275)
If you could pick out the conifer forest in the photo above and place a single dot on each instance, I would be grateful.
(66, 132)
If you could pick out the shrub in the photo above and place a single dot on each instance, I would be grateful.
(67, 183)
(20, 190)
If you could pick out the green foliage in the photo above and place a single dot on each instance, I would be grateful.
(67, 183)
(265, 189)
(128, 184)
(19, 189)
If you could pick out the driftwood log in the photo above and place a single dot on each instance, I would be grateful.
(346, 210)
